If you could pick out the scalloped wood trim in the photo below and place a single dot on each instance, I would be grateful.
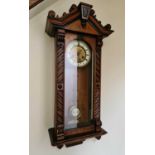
(54, 20)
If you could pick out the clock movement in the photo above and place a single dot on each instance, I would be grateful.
(78, 39)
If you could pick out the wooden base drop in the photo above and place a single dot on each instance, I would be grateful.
(73, 140)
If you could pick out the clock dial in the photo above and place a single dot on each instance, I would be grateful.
(78, 53)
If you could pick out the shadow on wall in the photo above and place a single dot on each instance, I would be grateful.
(49, 82)
(42, 80)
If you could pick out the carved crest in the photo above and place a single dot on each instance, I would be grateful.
(83, 13)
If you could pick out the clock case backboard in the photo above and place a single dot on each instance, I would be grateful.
(81, 20)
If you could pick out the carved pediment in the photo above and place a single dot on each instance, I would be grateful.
(88, 29)
(80, 18)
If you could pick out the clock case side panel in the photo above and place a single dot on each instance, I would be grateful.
(96, 45)
(57, 133)
(97, 84)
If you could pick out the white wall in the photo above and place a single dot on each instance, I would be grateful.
(42, 83)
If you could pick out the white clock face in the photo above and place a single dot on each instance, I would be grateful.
(78, 53)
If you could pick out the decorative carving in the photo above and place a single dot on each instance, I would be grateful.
(107, 27)
(84, 11)
(51, 14)
(60, 146)
(99, 44)
(92, 12)
(60, 86)
(60, 80)
(73, 8)
(57, 16)
(64, 14)
(98, 137)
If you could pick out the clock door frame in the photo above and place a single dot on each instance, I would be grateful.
(81, 19)
(87, 119)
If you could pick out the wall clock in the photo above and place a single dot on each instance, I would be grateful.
(78, 39)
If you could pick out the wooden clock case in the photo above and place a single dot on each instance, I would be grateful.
(80, 21)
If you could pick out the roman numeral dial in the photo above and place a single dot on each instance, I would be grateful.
(78, 53)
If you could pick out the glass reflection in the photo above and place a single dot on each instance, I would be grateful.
(78, 89)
